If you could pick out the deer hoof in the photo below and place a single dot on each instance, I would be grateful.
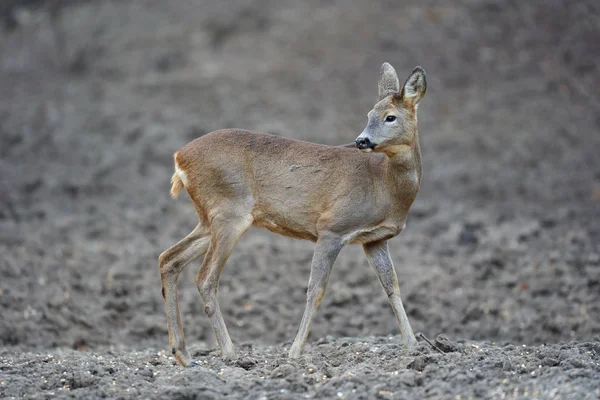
(295, 352)
(182, 356)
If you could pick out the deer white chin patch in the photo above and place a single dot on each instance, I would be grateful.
(367, 150)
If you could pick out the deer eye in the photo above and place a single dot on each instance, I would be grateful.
(390, 118)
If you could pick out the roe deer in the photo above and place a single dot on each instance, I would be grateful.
(332, 195)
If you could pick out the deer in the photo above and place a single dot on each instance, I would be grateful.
(332, 195)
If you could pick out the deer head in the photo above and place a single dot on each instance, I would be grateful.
(392, 123)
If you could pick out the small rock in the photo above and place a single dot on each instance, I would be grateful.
(147, 372)
(417, 364)
(282, 371)
(445, 344)
(549, 362)
(81, 380)
(246, 363)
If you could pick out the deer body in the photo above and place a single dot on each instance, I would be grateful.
(300, 189)
(332, 195)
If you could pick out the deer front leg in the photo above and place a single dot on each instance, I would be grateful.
(379, 258)
(326, 251)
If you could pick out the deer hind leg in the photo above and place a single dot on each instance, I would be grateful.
(379, 258)
(171, 263)
(225, 233)
(327, 249)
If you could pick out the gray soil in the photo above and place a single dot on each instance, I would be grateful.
(499, 264)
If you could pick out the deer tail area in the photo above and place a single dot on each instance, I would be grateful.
(178, 180)
(176, 185)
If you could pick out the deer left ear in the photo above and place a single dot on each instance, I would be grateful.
(388, 81)
(415, 86)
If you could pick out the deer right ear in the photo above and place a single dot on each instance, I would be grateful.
(415, 86)
(388, 81)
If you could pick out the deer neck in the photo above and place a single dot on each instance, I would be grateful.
(403, 173)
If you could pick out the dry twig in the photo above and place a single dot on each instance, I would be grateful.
(430, 343)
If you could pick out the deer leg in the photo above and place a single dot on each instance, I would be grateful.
(171, 263)
(379, 258)
(225, 235)
(326, 251)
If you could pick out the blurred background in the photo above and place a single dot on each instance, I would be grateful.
(502, 243)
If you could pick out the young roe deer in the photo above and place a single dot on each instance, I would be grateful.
(332, 195)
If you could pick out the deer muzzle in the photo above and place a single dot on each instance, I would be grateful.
(364, 143)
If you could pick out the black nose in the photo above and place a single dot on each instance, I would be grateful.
(364, 143)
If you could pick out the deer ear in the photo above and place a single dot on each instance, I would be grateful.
(415, 86)
(388, 81)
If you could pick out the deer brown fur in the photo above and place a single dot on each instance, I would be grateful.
(332, 195)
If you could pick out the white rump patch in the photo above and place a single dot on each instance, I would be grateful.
(181, 175)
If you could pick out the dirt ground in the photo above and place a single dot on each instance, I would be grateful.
(501, 254)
